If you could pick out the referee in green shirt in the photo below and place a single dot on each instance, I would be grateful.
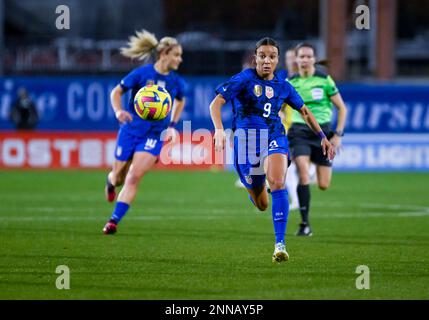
(319, 93)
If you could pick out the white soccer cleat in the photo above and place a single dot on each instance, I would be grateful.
(280, 254)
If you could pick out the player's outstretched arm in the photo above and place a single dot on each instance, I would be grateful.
(177, 110)
(115, 99)
(307, 115)
(215, 113)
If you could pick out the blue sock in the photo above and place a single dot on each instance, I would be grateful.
(280, 211)
(121, 209)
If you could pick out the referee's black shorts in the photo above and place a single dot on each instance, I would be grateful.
(304, 142)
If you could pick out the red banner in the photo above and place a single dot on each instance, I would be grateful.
(73, 150)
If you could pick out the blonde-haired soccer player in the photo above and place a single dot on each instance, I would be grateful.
(139, 141)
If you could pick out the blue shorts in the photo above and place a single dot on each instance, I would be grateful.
(127, 144)
(250, 152)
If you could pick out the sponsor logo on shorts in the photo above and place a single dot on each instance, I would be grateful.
(273, 145)
(150, 144)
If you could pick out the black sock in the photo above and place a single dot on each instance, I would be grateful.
(109, 185)
(304, 201)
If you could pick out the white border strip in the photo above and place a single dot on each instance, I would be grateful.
(386, 137)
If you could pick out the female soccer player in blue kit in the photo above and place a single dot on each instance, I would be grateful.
(139, 141)
(257, 95)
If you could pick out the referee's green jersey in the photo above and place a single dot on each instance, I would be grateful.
(316, 92)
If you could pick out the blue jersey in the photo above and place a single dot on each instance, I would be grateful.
(137, 79)
(257, 102)
(282, 74)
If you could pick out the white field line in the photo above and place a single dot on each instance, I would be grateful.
(338, 204)
(81, 210)
(210, 202)
(318, 204)
(363, 215)
(211, 213)
(77, 198)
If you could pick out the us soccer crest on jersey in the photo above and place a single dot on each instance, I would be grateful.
(269, 92)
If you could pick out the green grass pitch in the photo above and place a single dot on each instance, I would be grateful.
(193, 235)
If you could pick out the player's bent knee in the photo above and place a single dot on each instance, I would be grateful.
(323, 186)
(262, 206)
(276, 184)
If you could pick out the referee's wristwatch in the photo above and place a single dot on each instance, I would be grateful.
(339, 133)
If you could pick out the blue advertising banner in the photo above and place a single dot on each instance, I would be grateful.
(386, 108)
(83, 103)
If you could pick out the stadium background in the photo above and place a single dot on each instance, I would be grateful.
(382, 74)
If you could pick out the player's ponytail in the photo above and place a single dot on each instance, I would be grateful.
(143, 44)
(324, 62)
(140, 46)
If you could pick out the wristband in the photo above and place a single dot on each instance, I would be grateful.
(321, 135)
(172, 124)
